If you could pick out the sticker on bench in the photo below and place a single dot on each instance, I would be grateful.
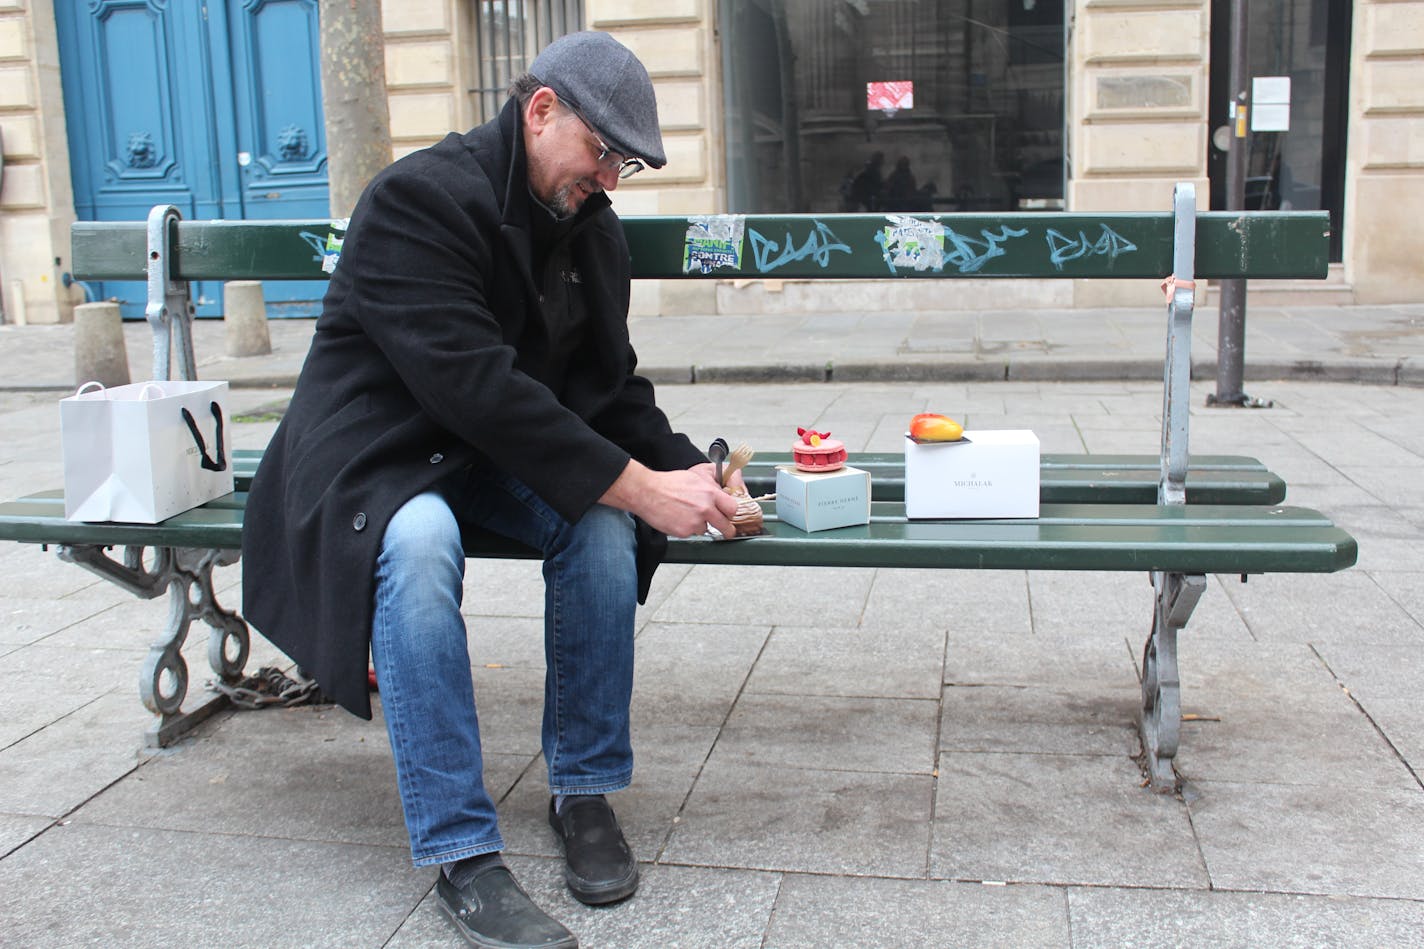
(327, 251)
(331, 253)
(912, 243)
(713, 242)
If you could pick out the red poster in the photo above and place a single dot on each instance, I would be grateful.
(890, 96)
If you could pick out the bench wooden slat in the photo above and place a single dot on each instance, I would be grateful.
(246, 459)
(1275, 244)
(39, 519)
(1187, 539)
(1075, 479)
(1297, 541)
(1054, 460)
(1063, 478)
(1042, 245)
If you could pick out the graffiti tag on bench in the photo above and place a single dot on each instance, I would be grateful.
(904, 243)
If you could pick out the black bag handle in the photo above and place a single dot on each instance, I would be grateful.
(208, 463)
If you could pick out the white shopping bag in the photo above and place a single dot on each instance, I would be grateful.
(144, 452)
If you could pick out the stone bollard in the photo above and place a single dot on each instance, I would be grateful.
(245, 314)
(99, 351)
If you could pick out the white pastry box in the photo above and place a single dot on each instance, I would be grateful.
(818, 501)
(993, 473)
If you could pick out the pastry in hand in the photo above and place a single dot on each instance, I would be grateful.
(748, 519)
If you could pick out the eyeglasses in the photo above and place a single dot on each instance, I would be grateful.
(607, 157)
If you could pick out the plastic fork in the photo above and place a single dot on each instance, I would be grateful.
(736, 461)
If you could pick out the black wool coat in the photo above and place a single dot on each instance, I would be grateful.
(427, 358)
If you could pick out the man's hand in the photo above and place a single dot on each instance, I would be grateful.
(678, 503)
(734, 482)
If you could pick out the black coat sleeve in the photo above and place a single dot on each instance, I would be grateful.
(635, 422)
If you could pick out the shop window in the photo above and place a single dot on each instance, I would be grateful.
(508, 35)
(1295, 152)
(893, 105)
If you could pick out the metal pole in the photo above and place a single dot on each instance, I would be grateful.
(1231, 321)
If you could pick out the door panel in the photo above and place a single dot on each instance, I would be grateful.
(280, 131)
(151, 89)
(139, 145)
(136, 136)
(277, 90)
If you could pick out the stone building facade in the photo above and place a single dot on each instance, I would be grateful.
(1135, 99)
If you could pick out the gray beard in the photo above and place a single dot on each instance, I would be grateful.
(561, 203)
(557, 207)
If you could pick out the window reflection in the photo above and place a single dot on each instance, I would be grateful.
(806, 130)
(1303, 167)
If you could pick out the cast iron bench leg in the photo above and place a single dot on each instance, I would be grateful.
(1176, 596)
(186, 575)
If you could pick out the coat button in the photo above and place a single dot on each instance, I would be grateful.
(436, 458)
(359, 522)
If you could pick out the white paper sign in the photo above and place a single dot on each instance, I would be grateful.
(1273, 90)
(1270, 96)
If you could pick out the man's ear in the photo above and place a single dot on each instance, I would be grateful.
(539, 111)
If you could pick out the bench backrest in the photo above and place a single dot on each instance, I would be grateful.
(1250, 244)
(1186, 244)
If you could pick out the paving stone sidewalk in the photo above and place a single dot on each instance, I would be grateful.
(826, 757)
(1376, 344)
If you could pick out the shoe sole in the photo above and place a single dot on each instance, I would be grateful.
(602, 894)
(474, 939)
(469, 936)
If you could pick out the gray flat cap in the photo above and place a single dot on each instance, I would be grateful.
(602, 78)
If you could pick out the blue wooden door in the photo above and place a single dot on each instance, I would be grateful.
(279, 130)
(213, 107)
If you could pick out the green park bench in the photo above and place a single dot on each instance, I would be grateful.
(1175, 516)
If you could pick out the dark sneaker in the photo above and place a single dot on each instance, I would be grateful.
(493, 912)
(598, 863)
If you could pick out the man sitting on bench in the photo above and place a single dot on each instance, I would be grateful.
(471, 370)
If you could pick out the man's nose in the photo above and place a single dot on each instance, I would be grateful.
(607, 178)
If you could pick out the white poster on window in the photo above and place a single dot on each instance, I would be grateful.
(1270, 96)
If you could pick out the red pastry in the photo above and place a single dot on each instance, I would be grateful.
(817, 451)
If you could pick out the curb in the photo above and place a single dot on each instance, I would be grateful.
(1407, 371)
(1404, 372)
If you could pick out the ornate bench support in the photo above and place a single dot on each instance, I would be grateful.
(170, 305)
(1176, 594)
(186, 575)
(1177, 365)
(1161, 720)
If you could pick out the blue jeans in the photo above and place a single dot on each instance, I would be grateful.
(418, 646)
